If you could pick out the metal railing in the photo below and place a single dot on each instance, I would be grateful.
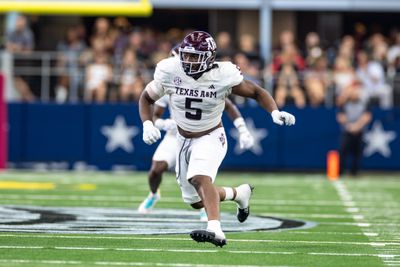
(44, 66)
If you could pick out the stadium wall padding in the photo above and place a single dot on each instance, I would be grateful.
(77, 133)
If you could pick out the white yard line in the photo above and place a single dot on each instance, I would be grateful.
(123, 263)
(207, 251)
(369, 227)
(374, 244)
(128, 198)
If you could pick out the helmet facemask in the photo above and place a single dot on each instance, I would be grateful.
(195, 62)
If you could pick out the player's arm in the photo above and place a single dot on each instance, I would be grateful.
(149, 95)
(162, 124)
(246, 140)
(265, 100)
(146, 106)
(158, 112)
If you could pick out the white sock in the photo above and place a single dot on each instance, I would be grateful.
(242, 196)
(228, 193)
(156, 194)
(215, 226)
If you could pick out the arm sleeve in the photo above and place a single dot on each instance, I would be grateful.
(234, 74)
(155, 90)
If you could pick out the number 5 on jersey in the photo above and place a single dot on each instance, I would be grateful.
(195, 113)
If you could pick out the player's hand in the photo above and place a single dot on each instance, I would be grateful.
(150, 133)
(165, 125)
(282, 117)
(246, 140)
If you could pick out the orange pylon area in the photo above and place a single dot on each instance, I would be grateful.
(333, 165)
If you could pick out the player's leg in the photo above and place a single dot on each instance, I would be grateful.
(155, 174)
(154, 178)
(163, 158)
(208, 194)
(241, 195)
(205, 156)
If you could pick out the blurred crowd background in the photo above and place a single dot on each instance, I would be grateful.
(112, 59)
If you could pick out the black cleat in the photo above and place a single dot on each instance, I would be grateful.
(242, 214)
(206, 236)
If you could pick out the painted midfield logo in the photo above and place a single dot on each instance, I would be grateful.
(74, 220)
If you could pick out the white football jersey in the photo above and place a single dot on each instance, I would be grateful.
(196, 105)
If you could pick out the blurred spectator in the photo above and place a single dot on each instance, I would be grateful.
(249, 71)
(393, 56)
(287, 69)
(20, 42)
(70, 50)
(286, 38)
(131, 83)
(247, 46)
(225, 48)
(343, 74)
(136, 44)
(149, 44)
(97, 46)
(103, 31)
(374, 81)
(163, 51)
(313, 50)
(353, 116)
(98, 75)
(317, 80)
(123, 29)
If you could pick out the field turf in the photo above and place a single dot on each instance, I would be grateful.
(357, 222)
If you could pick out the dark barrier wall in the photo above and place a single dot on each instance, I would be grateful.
(110, 137)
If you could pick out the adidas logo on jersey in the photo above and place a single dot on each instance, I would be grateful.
(211, 87)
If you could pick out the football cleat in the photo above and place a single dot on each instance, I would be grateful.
(147, 205)
(243, 195)
(203, 215)
(207, 236)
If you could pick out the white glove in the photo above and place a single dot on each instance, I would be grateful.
(246, 140)
(150, 133)
(282, 117)
(165, 125)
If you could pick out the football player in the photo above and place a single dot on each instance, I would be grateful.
(165, 154)
(197, 87)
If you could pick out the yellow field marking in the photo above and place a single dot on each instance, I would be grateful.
(26, 185)
(44, 186)
(85, 187)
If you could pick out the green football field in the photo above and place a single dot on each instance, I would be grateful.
(352, 222)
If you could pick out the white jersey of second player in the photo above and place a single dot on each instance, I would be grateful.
(196, 105)
(164, 103)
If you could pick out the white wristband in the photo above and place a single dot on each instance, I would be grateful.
(274, 111)
(239, 122)
(147, 123)
(159, 123)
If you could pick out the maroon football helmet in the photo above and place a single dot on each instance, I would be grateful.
(197, 52)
